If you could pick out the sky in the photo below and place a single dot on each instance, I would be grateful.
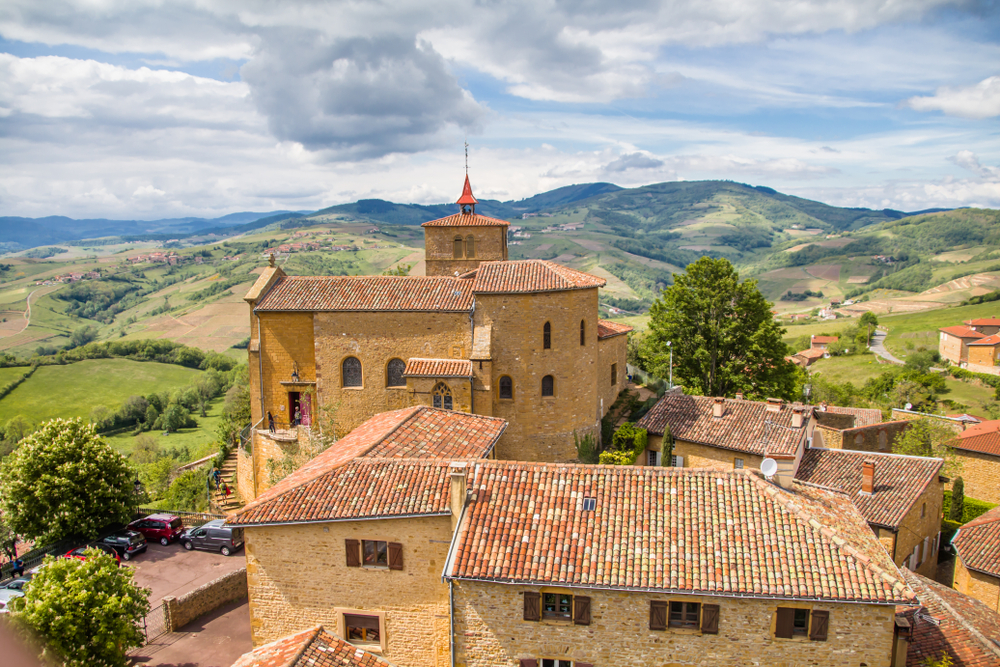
(167, 108)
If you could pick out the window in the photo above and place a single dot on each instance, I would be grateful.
(375, 553)
(457, 248)
(684, 614)
(790, 623)
(442, 396)
(362, 629)
(923, 510)
(653, 458)
(556, 662)
(738, 464)
(589, 504)
(614, 374)
(548, 386)
(506, 387)
(800, 622)
(677, 461)
(583, 333)
(351, 372)
(547, 336)
(470, 246)
(557, 606)
(394, 373)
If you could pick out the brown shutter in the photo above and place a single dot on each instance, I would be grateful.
(353, 553)
(657, 615)
(532, 606)
(581, 610)
(784, 625)
(819, 626)
(529, 662)
(710, 619)
(395, 556)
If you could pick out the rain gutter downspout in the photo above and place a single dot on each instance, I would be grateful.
(260, 385)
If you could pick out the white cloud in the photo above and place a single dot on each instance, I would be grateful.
(979, 101)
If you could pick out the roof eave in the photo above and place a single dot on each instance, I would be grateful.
(300, 522)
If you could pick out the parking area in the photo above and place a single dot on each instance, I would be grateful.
(216, 639)
(173, 570)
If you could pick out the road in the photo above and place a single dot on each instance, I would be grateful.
(878, 338)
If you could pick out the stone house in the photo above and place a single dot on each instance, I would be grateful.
(980, 459)
(555, 565)
(822, 342)
(984, 354)
(314, 647)
(807, 358)
(977, 566)
(900, 496)
(953, 343)
(521, 340)
(987, 326)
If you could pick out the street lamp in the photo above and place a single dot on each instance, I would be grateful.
(670, 345)
(138, 493)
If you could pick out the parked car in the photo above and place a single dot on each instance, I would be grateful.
(213, 536)
(127, 543)
(79, 552)
(163, 528)
(16, 585)
(6, 595)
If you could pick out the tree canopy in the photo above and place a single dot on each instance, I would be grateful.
(87, 613)
(64, 480)
(724, 336)
(927, 437)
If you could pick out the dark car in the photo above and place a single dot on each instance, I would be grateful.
(213, 536)
(79, 552)
(127, 543)
(162, 528)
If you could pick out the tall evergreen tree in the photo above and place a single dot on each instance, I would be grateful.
(957, 510)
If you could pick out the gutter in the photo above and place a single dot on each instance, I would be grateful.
(339, 520)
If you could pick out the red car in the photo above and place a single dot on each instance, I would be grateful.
(163, 528)
(79, 554)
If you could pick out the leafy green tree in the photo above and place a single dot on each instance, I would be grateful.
(927, 437)
(627, 444)
(957, 509)
(868, 320)
(87, 613)
(188, 492)
(724, 336)
(176, 417)
(64, 480)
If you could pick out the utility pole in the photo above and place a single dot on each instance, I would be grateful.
(670, 345)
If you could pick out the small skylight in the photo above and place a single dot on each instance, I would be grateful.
(589, 504)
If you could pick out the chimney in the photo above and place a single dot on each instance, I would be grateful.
(718, 404)
(739, 396)
(797, 417)
(868, 477)
(458, 490)
(774, 405)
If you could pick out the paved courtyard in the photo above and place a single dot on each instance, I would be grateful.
(216, 639)
(173, 570)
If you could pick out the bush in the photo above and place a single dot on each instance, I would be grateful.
(586, 448)
(973, 508)
(957, 505)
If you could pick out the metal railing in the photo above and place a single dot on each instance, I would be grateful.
(189, 519)
(154, 624)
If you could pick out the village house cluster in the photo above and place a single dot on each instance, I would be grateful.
(974, 345)
(452, 524)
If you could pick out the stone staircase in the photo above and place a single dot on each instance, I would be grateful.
(219, 501)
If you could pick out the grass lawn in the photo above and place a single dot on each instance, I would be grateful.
(970, 395)
(855, 369)
(75, 389)
(12, 373)
(200, 441)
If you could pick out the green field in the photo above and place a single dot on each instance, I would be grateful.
(9, 374)
(76, 389)
(855, 369)
(199, 441)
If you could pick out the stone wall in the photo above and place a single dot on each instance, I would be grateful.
(874, 438)
(981, 368)
(921, 525)
(178, 612)
(286, 343)
(981, 586)
(610, 351)
(702, 456)
(297, 577)
(542, 428)
(983, 356)
(952, 348)
(245, 475)
(490, 632)
(439, 249)
(981, 474)
(421, 392)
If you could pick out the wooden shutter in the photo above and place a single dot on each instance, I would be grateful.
(581, 610)
(710, 619)
(532, 606)
(395, 556)
(819, 626)
(657, 615)
(784, 625)
(353, 553)
(529, 662)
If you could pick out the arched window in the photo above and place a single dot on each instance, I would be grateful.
(458, 247)
(394, 373)
(548, 386)
(470, 246)
(583, 332)
(506, 387)
(351, 372)
(442, 396)
(547, 336)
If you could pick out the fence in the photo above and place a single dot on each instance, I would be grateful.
(188, 519)
(154, 624)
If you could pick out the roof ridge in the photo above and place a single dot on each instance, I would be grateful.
(314, 633)
(972, 629)
(886, 454)
(832, 535)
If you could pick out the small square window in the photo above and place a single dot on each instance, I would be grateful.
(375, 553)
(652, 458)
(362, 629)
(555, 662)
(614, 374)
(738, 464)
(589, 504)
(684, 614)
(800, 623)
(557, 606)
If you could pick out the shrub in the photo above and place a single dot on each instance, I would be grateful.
(972, 507)
(957, 507)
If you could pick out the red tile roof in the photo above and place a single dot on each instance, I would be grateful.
(812, 353)
(743, 426)
(989, 341)
(466, 220)
(314, 647)
(862, 416)
(988, 426)
(984, 321)
(339, 293)
(607, 329)
(950, 622)
(441, 434)
(962, 332)
(899, 480)
(978, 543)
(437, 368)
(825, 339)
(984, 443)
(668, 529)
(530, 275)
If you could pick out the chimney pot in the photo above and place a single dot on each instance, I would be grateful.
(797, 417)
(774, 404)
(739, 396)
(458, 470)
(718, 403)
(868, 477)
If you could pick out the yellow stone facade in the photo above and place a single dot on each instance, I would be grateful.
(919, 528)
(490, 632)
(984, 355)
(446, 249)
(981, 474)
(696, 455)
(983, 587)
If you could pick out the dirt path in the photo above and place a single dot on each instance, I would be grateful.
(27, 313)
(878, 337)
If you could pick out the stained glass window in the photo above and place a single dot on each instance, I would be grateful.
(394, 373)
(352, 372)
(442, 396)
(506, 387)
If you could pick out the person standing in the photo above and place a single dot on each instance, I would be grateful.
(270, 421)
(298, 416)
(216, 476)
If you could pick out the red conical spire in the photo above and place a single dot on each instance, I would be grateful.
(467, 199)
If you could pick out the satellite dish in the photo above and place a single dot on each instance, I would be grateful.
(769, 467)
(909, 406)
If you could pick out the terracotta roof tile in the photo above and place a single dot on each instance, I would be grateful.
(607, 329)
(950, 622)
(978, 543)
(825, 339)
(441, 434)
(333, 293)
(962, 332)
(438, 368)
(314, 647)
(989, 341)
(988, 426)
(743, 426)
(668, 529)
(862, 416)
(466, 220)
(984, 443)
(983, 321)
(812, 353)
(899, 480)
(530, 275)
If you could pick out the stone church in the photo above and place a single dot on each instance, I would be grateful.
(480, 334)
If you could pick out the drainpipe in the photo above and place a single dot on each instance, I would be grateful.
(472, 386)
(451, 621)
(260, 385)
